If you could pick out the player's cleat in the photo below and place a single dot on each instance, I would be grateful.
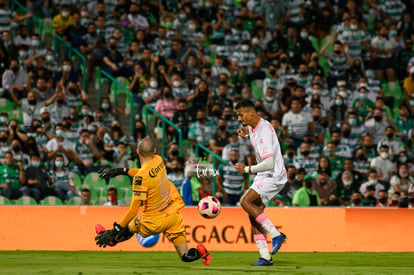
(263, 262)
(277, 242)
(205, 255)
(99, 228)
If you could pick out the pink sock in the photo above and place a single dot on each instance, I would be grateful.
(267, 225)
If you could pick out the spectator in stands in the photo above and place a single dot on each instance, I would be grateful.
(395, 146)
(112, 138)
(235, 143)
(199, 96)
(59, 145)
(121, 156)
(139, 132)
(384, 47)
(303, 160)
(176, 176)
(136, 20)
(369, 199)
(172, 154)
(36, 48)
(112, 197)
(202, 130)
(347, 186)
(401, 181)
(58, 109)
(62, 179)
(86, 196)
(306, 196)
(382, 164)
(362, 105)
(337, 111)
(14, 80)
(4, 119)
(220, 137)
(74, 33)
(372, 182)
(66, 74)
(12, 178)
(291, 186)
(92, 46)
(18, 154)
(85, 152)
(167, 104)
(323, 186)
(38, 180)
(382, 199)
(113, 61)
(335, 162)
(51, 63)
(110, 111)
(63, 20)
(411, 199)
(376, 125)
(42, 89)
(8, 49)
(356, 199)
(182, 117)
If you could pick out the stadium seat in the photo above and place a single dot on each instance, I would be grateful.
(77, 181)
(6, 105)
(103, 163)
(26, 200)
(97, 186)
(17, 115)
(51, 200)
(257, 89)
(4, 201)
(121, 181)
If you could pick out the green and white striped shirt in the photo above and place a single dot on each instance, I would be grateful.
(233, 181)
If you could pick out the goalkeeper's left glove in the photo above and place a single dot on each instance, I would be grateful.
(112, 237)
(107, 173)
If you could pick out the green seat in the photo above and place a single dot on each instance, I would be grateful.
(116, 89)
(257, 89)
(97, 186)
(47, 27)
(4, 201)
(77, 181)
(121, 181)
(6, 105)
(75, 201)
(103, 162)
(17, 115)
(51, 200)
(26, 200)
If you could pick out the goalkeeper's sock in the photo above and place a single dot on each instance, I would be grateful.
(190, 255)
(261, 244)
(267, 225)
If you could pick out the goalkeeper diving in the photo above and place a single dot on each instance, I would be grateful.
(161, 203)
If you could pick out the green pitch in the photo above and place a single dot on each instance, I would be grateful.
(87, 262)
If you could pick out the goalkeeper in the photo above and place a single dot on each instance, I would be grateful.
(160, 201)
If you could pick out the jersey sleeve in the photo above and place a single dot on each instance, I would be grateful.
(139, 189)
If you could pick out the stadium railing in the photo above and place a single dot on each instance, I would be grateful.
(34, 18)
(149, 110)
(216, 161)
(115, 82)
(57, 38)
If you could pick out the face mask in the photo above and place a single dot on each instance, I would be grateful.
(369, 74)
(228, 38)
(283, 60)
(183, 16)
(59, 133)
(402, 159)
(58, 164)
(112, 46)
(65, 14)
(116, 128)
(393, 33)
(192, 27)
(292, 176)
(390, 135)
(338, 52)
(32, 102)
(363, 96)
(244, 48)
(315, 118)
(290, 154)
(50, 58)
(84, 13)
(338, 101)
(411, 200)
(234, 144)
(105, 106)
(305, 153)
(316, 91)
(352, 121)
(343, 94)
(176, 83)
(411, 103)
(15, 69)
(361, 157)
(403, 175)
(85, 112)
(270, 98)
(175, 169)
(168, 25)
(222, 127)
(308, 184)
(66, 68)
(35, 43)
(346, 133)
(35, 163)
(153, 84)
(394, 202)
(23, 54)
(174, 153)
(347, 182)
(353, 27)
(3, 119)
(3, 139)
(383, 200)
(304, 35)
(356, 201)
(60, 101)
(373, 181)
(378, 118)
(272, 72)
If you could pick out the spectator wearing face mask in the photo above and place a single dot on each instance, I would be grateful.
(58, 109)
(110, 111)
(231, 183)
(202, 130)
(14, 81)
(306, 196)
(383, 165)
(401, 181)
(243, 57)
(59, 145)
(172, 155)
(242, 148)
(304, 160)
(12, 178)
(85, 153)
(395, 146)
(38, 180)
(376, 125)
(346, 188)
(66, 74)
(411, 199)
(112, 197)
(62, 179)
(176, 176)
(291, 186)
(220, 137)
(63, 20)
(382, 199)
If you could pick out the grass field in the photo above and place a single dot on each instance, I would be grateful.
(88, 262)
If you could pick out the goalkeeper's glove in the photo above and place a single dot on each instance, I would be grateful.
(107, 173)
(112, 237)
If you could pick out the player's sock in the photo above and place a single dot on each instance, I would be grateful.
(267, 225)
(261, 244)
(191, 255)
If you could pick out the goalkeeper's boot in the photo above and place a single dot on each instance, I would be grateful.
(204, 254)
(277, 242)
(263, 262)
(99, 228)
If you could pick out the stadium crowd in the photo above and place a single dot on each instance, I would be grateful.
(336, 81)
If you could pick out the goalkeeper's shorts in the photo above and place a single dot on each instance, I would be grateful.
(171, 224)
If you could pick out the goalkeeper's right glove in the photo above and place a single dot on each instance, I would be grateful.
(107, 173)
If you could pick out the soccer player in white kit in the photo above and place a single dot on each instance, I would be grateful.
(270, 179)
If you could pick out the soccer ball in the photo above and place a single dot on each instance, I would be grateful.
(209, 207)
(148, 241)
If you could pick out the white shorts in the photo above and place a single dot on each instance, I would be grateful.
(267, 187)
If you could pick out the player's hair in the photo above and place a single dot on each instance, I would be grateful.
(146, 147)
(245, 103)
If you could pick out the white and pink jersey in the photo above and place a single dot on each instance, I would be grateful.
(266, 144)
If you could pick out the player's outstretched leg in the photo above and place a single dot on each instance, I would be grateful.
(277, 242)
(204, 254)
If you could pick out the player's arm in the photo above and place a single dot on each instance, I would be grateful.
(107, 173)
(132, 211)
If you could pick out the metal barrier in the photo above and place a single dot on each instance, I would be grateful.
(57, 38)
(165, 121)
(34, 17)
(122, 87)
(215, 164)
